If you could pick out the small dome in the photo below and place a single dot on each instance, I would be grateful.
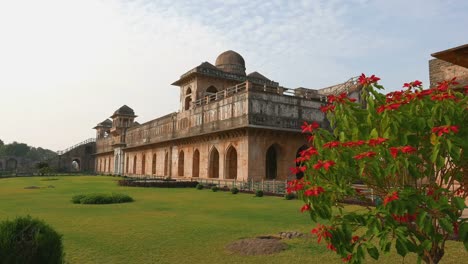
(232, 62)
(124, 110)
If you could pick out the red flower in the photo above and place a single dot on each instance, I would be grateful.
(376, 141)
(394, 151)
(296, 170)
(308, 152)
(328, 164)
(368, 154)
(466, 89)
(305, 207)
(322, 232)
(348, 258)
(328, 108)
(314, 191)
(331, 247)
(354, 239)
(407, 149)
(442, 96)
(390, 197)
(309, 127)
(412, 84)
(368, 80)
(444, 130)
(404, 218)
(331, 144)
(295, 185)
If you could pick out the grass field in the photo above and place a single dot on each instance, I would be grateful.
(168, 225)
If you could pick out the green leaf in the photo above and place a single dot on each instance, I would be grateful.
(374, 133)
(421, 218)
(459, 203)
(373, 252)
(401, 248)
(435, 154)
(446, 225)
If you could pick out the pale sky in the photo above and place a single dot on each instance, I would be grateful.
(66, 65)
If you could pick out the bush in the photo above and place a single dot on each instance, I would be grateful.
(27, 240)
(98, 198)
(259, 193)
(289, 196)
(234, 190)
(214, 188)
(199, 186)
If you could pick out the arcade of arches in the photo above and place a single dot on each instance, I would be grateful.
(257, 156)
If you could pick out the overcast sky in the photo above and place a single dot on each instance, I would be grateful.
(67, 65)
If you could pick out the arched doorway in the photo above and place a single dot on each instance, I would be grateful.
(271, 163)
(109, 165)
(213, 169)
(1, 165)
(211, 90)
(134, 164)
(300, 174)
(166, 164)
(76, 165)
(153, 165)
(105, 164)
(143, 165)
(196, 163)
(180, 164)
(231, 163)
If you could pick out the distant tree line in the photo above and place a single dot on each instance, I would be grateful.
(23, 150)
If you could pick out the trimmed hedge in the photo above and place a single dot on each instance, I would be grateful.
(160, 184)
(214, 188)
(199, 186)
(259, 193)
(234, 190)
(289, 196)
(99, 198)
(28, 240)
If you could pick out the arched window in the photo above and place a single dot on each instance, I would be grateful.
(213, 171)
(76, 165)
(211, 90)
(143, 165)
(231, 163)
(181, 164)
(153, 165)
(196, 164)
(134, 164)
(109, 165)
(105, 164)
(189, 91)
(271, 163)
(188, 101)
(299, 175)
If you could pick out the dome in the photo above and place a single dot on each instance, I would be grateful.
(232, 62)
(124, 110)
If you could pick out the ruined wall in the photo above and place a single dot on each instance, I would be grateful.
(105, 163)
(440, 70)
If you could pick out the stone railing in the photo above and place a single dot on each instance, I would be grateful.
(89, 140)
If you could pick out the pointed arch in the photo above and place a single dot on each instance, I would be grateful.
(196, 164)
(213, 165)
(134, 164)
(153, 165)
(231, 163)
(143, 165)
(298, 154)
(271, 162)
(181, 164)
(166, 164)
(211, 90)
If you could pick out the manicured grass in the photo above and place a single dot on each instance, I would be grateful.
(168, 225)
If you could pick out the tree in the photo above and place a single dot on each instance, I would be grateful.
(409, 148)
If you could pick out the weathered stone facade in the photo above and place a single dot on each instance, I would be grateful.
(229, 126)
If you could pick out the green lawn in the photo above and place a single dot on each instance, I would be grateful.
(167, 225)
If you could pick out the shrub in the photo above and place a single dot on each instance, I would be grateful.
(214, 188)
(27, 240)
(234, 190)
(199, 186)
(98, 198)
(259, 193)
(289, 196)
(77, 198)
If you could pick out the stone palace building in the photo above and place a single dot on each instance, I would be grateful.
(230, 125)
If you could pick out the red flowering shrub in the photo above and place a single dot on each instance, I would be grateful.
(409, 147)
